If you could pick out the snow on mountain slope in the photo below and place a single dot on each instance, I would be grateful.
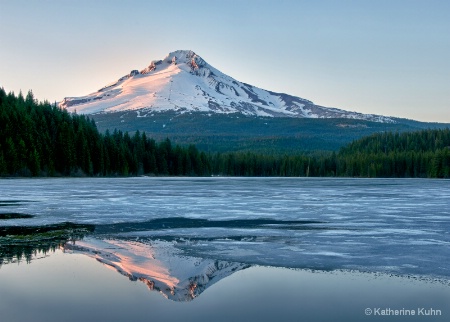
(183, 82)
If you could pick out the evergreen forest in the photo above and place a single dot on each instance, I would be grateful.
(40, 139)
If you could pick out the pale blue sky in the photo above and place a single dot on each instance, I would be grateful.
(381, 57)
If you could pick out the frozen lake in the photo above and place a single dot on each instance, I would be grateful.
(390, 225)
(180, 236)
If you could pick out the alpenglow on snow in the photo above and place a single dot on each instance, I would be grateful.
(184, 82)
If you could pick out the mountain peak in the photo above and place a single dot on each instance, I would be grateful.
(186, 57)
(183, 55)
(182, 81)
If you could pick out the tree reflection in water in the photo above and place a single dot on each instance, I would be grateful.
(19, 243)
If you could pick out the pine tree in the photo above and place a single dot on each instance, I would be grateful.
(3, 167)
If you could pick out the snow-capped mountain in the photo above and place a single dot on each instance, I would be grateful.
(183, 81)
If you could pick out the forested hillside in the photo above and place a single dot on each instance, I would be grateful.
(38, 139)
(423, 153)
(212, 132)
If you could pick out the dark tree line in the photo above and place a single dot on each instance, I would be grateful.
(38, 139)
(424, 154)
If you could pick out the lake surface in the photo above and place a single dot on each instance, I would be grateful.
(228, 248)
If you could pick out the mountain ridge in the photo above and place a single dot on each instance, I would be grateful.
(184, 82)
(236, 132)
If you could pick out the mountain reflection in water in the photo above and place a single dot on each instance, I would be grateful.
(158, 264)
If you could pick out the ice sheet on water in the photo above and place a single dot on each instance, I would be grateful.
(395, 225)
